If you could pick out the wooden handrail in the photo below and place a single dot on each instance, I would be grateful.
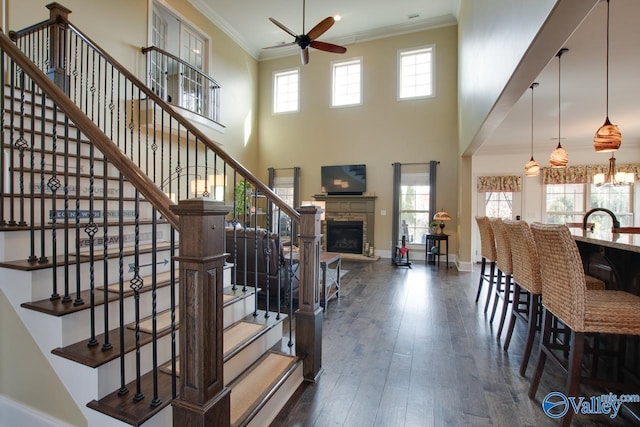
(235, 165)
(126, 167)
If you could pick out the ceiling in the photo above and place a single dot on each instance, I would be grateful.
(583, 84)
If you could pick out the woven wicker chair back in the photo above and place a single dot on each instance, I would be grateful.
(487, 240)
(563, 280)
(503, 246)
(526, 266)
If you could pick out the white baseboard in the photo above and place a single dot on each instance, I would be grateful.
(14, 413)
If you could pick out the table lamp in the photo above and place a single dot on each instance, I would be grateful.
(441, 217)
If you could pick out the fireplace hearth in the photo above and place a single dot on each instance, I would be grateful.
(345, 236)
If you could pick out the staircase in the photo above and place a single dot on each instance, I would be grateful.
(92, 252)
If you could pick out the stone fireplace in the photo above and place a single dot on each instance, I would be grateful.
(340, 210)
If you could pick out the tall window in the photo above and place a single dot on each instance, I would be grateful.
(499, 204)
(415, 73)
(285, 91)
(415, 212)
(283, 187)
(346, 83)
(566, 203)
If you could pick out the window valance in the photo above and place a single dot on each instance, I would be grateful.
(510, 183)
(583, 174)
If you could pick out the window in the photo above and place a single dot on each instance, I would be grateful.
(499, 204)
(567, 203)
(285, 91)
(415, 78)
(284, 188)
(346, 83)
(414, 207)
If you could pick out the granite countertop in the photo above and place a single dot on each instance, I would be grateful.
(623, 241)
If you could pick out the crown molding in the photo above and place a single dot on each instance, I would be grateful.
(227, 28)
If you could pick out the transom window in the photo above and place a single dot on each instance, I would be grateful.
(346, 83)
(415, 73)
(286, 91)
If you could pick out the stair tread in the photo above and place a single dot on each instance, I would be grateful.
(254, 386)
(27, 265)
(125, 409)
(59, 308)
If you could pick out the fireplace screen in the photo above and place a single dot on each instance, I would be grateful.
(345, 236)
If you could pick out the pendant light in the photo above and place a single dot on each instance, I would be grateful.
(559, 157)
(532, 168)
(608, 137)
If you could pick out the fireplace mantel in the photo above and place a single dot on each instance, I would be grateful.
(351, 207)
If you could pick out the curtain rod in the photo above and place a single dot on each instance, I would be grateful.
(414, 164)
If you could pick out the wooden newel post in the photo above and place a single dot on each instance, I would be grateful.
(59, 17)
(309, 313)
(203, 399)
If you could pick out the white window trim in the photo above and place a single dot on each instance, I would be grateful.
(433, 72)
(274, 90)
(345, 62)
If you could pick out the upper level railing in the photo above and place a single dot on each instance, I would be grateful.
(180, 83)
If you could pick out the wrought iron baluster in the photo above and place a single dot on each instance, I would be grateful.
(174, 352)
(78, 301)
(91, 229)
(136, 285)
(53, 184)
(105, 248)
(3, 77)
(12, 114)
(154, 306)
(21, 144)
(43, 259)
(123, 385)
(32, 174)
(66, 297)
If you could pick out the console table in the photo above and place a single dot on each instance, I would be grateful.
(435, 240)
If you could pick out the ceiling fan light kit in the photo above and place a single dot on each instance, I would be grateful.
(307, 40)
(608, 137)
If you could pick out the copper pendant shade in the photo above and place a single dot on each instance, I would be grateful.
(608, 137)
(559, 157)
(532, 168)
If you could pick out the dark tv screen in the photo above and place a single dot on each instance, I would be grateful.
(344, 179)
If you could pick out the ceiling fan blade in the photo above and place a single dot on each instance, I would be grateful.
(280, 45)
(283, 28)
(328, 47)
(304, 56)
(321, 27)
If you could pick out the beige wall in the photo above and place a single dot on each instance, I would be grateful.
(379, 132)
(25, 373)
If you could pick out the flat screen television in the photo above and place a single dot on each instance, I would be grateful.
(344, 179)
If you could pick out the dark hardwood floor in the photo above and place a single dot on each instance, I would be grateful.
(409, 347)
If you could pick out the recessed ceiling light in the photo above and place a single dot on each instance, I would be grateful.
(413, 16)
(337, 17)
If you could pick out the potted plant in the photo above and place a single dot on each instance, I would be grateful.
(243, 194)
(433, 227)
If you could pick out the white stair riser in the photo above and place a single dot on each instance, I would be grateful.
(76, 326)
(238, 310)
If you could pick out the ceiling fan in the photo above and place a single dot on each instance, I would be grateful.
(309, 39)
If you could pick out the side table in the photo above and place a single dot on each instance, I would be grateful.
(434, 240)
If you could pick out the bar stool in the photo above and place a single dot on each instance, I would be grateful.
(505, 268)
(488, 251)
(565, 296)
(526, 276)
